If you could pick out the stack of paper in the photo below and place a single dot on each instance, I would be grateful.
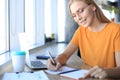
(25, 76)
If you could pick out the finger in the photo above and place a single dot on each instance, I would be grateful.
(54, 67)
(86, 75)
(101, 75)
(91, 71)
(58, 66)
(97, 71)
(50, 65)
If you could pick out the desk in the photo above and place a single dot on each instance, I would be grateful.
(76, 63)
(58, 48)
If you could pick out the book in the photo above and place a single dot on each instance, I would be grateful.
(39, 75)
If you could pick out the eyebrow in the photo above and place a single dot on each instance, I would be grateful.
(79, 9)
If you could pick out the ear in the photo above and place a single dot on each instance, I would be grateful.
(93, 7)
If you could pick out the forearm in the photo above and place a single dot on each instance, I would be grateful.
(113, 73)
(70, 49)
(62, 59)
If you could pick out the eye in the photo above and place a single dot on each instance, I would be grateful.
(73, 15)
(81, 10)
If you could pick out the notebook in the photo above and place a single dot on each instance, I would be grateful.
(68, 72)
(40, 75)
(76, 75)
(62, 70)
(24, 45)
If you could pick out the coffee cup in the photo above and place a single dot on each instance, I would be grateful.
(18, 60)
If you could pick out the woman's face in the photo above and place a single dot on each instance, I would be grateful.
(82, 13)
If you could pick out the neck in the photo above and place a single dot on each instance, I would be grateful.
(96, 26)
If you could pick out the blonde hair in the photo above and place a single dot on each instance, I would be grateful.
(101, 17)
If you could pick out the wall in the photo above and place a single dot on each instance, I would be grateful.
(118, 15)
(70, 25)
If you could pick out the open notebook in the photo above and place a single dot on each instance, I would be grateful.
(61, 70)
(69, 72)
(24, 45)
(79, 74)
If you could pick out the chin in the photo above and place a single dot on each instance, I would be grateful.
(85, 25)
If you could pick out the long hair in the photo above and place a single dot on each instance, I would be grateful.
(101, 17)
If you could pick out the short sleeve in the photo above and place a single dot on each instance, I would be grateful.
(74, 39)
(117, 41)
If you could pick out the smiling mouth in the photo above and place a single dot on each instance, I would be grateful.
(82, 21)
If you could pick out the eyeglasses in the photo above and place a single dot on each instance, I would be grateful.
(79, 12)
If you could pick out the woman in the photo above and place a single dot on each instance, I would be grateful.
(97, 38)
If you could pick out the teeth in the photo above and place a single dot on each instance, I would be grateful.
(84, 19)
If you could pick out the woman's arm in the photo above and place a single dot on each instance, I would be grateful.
(117, 58)
(115, 73)
(70, 49)
(98, 72)
(62, 58)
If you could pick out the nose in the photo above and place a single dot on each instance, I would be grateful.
(78, 17)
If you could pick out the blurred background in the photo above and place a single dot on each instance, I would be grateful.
(43, 21)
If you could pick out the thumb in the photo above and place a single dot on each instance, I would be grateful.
(58, 65)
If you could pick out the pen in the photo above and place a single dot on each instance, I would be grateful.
(53, 61)
(69, 71)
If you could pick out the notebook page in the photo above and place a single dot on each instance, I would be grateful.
(25, 76)
(62, 69)
(76, 74)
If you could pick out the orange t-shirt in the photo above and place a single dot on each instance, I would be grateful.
(98, 48)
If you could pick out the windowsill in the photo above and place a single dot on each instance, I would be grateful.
(6, 57)
(36, 48)
(6, 63)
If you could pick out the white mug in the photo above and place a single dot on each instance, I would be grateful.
(18, 60)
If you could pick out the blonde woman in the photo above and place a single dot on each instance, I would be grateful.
(97, 38)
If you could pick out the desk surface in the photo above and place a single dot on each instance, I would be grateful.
(76, 63)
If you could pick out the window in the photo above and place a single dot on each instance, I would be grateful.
(48, 18)
(4, 46)
(61, 20)
(34, 17)
(55, 19)
(34, 21)
(30, 20)
(4, 41)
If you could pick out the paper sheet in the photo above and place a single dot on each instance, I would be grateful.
(62, 69)
(76, 74)
(40, 75)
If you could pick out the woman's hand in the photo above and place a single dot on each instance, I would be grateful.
(97, 72)
(51, 66)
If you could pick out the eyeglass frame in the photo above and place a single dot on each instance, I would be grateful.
(80, 11)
